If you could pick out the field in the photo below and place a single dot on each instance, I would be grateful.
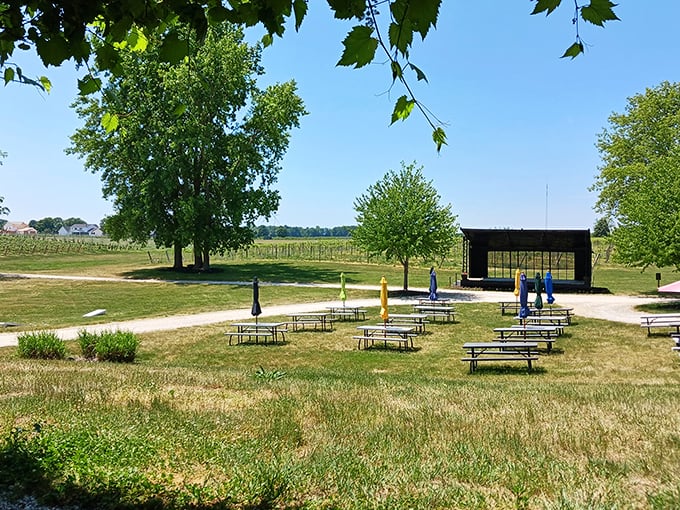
(315, 423)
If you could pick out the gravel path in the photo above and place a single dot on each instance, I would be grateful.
(600, 306)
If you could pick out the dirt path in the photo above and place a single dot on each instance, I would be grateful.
(607, 307)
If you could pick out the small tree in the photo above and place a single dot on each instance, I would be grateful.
(400, 217)
(602, 227)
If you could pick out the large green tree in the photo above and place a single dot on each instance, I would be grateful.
(401, 217)
(60, 30)
(197, 145)
(639, 179)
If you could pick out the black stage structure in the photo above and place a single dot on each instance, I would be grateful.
(491, 257)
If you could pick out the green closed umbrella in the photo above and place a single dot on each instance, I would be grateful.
(538, 302)
(343, 293)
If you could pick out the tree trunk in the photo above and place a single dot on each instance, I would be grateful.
(198, 257)
(206, 260)
(405, 264)
(178, 263)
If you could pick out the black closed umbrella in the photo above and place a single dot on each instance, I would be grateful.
(256, 309)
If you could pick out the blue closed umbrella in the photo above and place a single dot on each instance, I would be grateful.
(549, 288)
(523, 296)
(433, 285)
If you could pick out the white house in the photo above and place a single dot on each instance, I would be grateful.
(81, 229)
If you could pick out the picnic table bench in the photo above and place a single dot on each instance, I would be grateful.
(347, 312)
(499, 351)
(553, 311)
(544, 334)
(257, 330)
(445, 313)
(545, 320)
(417, 320)
(402, 335)
(509, 306)
(660, 320)
(322, 320)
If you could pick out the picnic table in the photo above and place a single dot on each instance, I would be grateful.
(547, 334)
(499, 351)
(322, 320)
(545, 320)
(553, 311)
(660, 320)
(402, 335)
(417, 320)
(446, 313)
(435, 302)
(347, 312)
(255, 330)
(509, 305)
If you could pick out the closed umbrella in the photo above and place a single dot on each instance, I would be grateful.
(433, 285)
(256, 309)
(549, 288)
(383, 300)
(516, 291)
(538, 283)
(343, 293)
(523, 296)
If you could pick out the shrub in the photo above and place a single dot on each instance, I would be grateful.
(88, 344)
(41, 345)
(118, 346)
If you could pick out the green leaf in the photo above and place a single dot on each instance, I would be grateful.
(574, 50)
(401, 36)
(359, 46)
(598, 12)
(267, 40)
(300, 9)
(348, 9)
(9, 75)
(546, 5)
(402, 109)
(439, 137)
(217, 14)
(419, 74)
(110, 122)
(46, 83)
(179, 111)
(416, 16)
(397, 72)
(53, 51)
(89, 85)
(173, 49)
(136, 40)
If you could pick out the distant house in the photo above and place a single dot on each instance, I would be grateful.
(13, 227)
(81, 229)
(28, 231)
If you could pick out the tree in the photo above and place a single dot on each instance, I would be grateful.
(197, 145)
(639, 179)
(47, 225)
(3, 210)
(400, 217)
(602, 227)
(61, 30)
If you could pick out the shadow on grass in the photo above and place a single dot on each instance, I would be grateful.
(284, 272)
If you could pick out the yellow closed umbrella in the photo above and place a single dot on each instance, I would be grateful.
(383, 300)
(343, 293)
(517, 282)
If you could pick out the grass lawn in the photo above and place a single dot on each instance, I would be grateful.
(315, 423)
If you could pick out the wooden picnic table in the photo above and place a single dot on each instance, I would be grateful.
(417, 320)
(660, 320)
(443, 312)
(553, 311)
(322, 320)
(547, 334)
(255, 330)
(402, 335)
(499, 351)
(545, 320)
(347, 312)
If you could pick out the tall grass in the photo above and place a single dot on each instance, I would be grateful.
(314, 423)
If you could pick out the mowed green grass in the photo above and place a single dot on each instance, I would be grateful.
(317, 423)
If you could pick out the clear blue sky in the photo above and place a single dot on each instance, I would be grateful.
(520, 119)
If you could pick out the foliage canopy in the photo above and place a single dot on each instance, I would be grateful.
(400, 216)
(61, 30)
(639, 180)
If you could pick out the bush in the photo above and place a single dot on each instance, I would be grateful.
(41, 345)
(118, 346)
(88, 344)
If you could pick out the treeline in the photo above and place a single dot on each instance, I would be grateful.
(271, 232)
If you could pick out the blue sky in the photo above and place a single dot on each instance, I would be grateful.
(521, 122)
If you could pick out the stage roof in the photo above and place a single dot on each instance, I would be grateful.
(529, 240)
